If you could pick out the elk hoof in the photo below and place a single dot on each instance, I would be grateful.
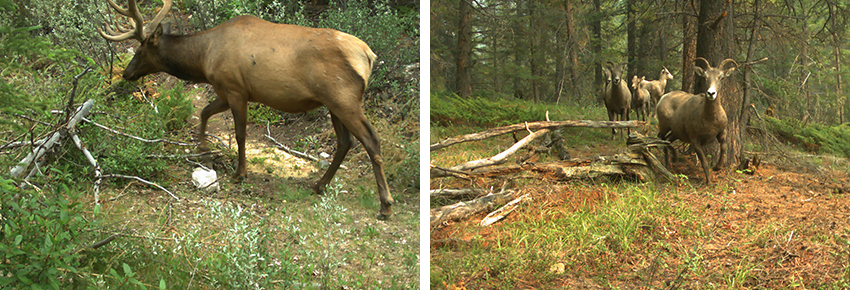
(319, 189)
(383, 217)
(238, 178)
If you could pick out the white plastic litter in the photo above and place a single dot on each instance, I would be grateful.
(205, 179)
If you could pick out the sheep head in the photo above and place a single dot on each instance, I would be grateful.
(713, 75)
(665, 72)
(616, 71)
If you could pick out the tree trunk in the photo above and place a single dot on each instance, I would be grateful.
(572, 47)
(533, 37)
(715, 37)
(689, 45)
(631, 45)
(596, 24)
(743, 116)
(464, 50)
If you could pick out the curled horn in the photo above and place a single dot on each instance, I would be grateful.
(707, 64)
(726, 61)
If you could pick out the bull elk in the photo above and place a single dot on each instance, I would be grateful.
(287, 67)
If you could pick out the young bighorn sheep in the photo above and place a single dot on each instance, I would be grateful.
(617, 97)
(656, 88)
(697, 119)
(640, 97)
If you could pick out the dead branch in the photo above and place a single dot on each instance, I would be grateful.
(437, 171)
(533, 126)
(135, 137)
(447, 193)
(498, 158)
(289, 150)
(93, 163)
(504, 211)
(464, 209)
(142, 181)
(74, 93)
(39, 151)
(181, 156)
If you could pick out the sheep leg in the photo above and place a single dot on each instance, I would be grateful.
(701, 156)
(662, 134)
(611, 115)
(721, 138)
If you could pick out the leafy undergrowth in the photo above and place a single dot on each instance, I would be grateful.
(268, 232)
(785, 226)
(813, 137)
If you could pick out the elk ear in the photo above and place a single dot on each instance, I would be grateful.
(155, 36)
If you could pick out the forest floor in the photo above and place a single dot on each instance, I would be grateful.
(784, 226)
(270, 230)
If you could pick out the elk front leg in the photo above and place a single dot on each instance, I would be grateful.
(217, 106)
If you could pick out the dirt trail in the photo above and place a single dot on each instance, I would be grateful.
(268, 159)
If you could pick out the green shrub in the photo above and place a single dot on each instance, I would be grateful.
(813, 137)
(174, 108)
(448, 109)
(40, 239)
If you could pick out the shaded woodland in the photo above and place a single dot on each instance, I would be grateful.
(552, 51)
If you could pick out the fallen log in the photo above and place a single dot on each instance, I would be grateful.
(533, 126)
(441, 216)
(448, 193)
(504, 211)
(495, 160)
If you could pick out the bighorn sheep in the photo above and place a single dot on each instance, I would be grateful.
(640, 97)
(617, 97)
(656, 88)
(697, 119)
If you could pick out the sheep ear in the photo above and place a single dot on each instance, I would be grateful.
(728, 72)
(699, 71)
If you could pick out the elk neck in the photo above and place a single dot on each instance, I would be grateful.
(183, 56)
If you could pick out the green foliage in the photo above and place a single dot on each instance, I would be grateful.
(19, 50)
(174, 108)
(451, 109)
(41, 238)
(358, 19)
(813, 137)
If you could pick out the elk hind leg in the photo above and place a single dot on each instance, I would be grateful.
(360, 127)
(344, 141)
(239, 109)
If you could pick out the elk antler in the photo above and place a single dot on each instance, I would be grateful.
(139, 31)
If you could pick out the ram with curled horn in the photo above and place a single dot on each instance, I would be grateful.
(697, 119)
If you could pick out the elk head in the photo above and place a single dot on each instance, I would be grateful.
(146, 60)
(713, 75)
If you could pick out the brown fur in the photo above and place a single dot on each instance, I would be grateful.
(640, 97)
(287, 67)
(697, 119)
(657, 87)
(617, 97)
